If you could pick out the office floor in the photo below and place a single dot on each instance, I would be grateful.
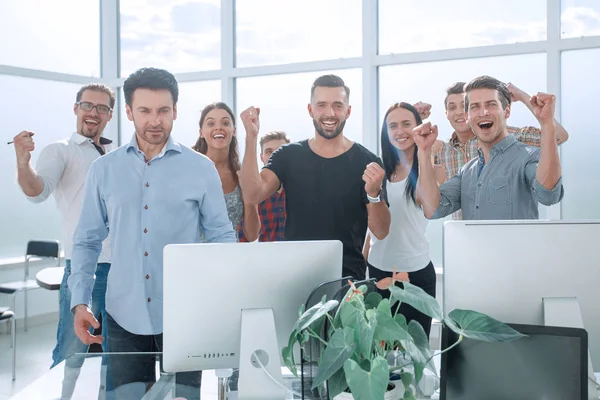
(34, 357)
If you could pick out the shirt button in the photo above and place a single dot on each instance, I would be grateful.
(479, 184)
(477, 207)
(149, 300)
(148, 162)
(147, 184)
(146, 207)
(146, 253)
(147, 276)
(145, 230)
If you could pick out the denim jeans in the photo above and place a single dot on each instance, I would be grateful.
(130, 376)
(67, 343)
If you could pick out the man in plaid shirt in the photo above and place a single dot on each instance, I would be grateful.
(272, 210)
(452, 155)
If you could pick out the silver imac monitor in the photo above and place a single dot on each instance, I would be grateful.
(227, 304)
(527, 272)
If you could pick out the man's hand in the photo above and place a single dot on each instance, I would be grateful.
(251, 121)
(24, 145)
(425, 136)
(83, 320)
(543, 107)
(373, 178)
(424, 109)
(517, 94)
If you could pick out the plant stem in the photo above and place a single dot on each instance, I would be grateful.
(460, 338)
(313, 334)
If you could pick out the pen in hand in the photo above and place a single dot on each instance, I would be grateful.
(12, 141)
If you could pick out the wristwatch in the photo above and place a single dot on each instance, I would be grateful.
(374, 199)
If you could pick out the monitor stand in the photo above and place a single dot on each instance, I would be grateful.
(258, 335)
(565, 312)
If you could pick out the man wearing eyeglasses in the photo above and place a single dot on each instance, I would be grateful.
(61, 170)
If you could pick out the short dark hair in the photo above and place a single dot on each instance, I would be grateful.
(330, 80)
(273, 135)
(456, 88)
(150, 78)
(487, 82)
(97, 87)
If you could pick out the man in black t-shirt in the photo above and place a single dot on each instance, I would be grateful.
(333, 186)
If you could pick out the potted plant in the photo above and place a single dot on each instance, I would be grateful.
(362, 335)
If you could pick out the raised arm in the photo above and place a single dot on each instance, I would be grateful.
(37, 186)
(517, 94)
(251, 221)
(379, 217)
(257, 186)
(548, 170)
(428, 190)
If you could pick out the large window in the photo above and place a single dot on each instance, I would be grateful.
(580, 161)
(283, 102)
(427, 82)
(45, 108)
(59, 35)
(282, 32)
(193, 97)
(410, 26)
(580, 18)
(174, 35)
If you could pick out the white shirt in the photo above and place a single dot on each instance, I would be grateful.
(405, 247)
(63, 166)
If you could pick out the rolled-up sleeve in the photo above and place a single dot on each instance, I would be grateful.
(49, 167)
(216, 226)
(542, 195)
(450, 195)
(91, 231)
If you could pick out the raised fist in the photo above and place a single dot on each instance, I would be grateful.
(251, 121)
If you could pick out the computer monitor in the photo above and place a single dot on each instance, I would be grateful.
(515, 271)
(221, 302)
(549, 364)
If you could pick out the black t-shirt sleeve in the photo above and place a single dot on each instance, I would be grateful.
(278, 163)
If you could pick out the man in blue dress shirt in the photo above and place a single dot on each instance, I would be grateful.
(149, 193)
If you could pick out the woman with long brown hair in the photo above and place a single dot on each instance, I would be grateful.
(219, 143)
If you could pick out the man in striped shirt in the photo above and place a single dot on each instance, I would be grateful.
(462, 146)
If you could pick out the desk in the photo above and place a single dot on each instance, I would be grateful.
(50, 278)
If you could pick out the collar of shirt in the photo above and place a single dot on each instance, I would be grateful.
(171, 145)
(79, 139)
(498, 148)
(454, 142)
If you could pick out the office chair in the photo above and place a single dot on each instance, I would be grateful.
(35, 248)
(8, 315)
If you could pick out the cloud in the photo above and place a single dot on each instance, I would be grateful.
(580, 21)
(195, 17)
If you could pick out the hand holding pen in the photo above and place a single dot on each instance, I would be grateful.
(24, 145)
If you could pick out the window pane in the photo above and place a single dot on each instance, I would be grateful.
(428, 82)
(58, 36)
(580, 161)
(283, 102)
(180, 37)
(411, 26)
(282, 32)
(54, 120)
(193, 97)
(580, 18)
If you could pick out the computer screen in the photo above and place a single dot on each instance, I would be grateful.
(549, 364)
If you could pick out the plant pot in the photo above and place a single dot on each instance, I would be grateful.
(395, 394)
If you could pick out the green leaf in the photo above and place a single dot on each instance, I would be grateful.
(287, 353)
(416, 297)
(334, 356)
(349, 316)
(337, 383)
(422, 343)
(401, 320)
(386, 328)
(313, 314)
(372, 300)
(406, 379)
(364, 335)
(478, 326)
(367, 385)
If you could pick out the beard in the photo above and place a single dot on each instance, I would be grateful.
(329, 135)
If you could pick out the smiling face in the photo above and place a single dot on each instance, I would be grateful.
(91, 123)
(455, 112)
(400, 124)
(487, 118)
(217, 129)
(329, 110)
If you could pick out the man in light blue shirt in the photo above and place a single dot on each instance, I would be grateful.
(149, 193)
